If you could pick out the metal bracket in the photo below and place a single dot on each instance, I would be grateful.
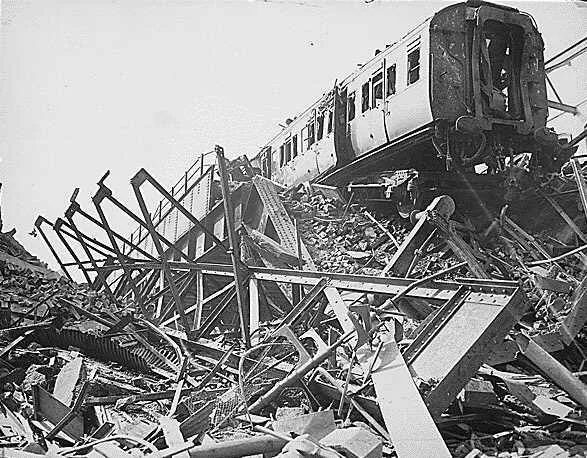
(285, 331)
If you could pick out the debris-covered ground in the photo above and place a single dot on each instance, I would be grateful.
(438, 337)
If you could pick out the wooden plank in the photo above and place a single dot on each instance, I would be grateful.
(551, 284)
(254, 308)
(460, 248)
(338, 307)
(172, 434)
(108, 450)
(199, 305)
(67, 380)
(412, 429)
(16, 342)
(402, 258)
(54, 410)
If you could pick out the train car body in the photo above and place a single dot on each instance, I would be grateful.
(464, 88)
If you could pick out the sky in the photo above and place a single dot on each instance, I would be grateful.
(93, 85)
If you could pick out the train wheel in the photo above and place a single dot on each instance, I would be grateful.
(409, 199)
(409, 203)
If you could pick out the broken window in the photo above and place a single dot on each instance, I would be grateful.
(266, 156)
(391, 80)
(330, 115)
(377, 89)
(311, 133)
(281, 156)
(500, 57)
(351, 106)
(320, 122)
(413, 66)
(288, 151)
(365, 97)
(294, 145)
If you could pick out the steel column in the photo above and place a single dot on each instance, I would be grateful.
(234, 247)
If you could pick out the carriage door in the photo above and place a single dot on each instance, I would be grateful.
(390, 88)
(372, 132)
(342, 135)
(266, 162)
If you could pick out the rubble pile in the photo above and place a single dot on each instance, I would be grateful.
(367, 336)
(342, 238)
(11, 249)
(347, 238)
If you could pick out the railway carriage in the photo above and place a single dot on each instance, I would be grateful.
(462, 93)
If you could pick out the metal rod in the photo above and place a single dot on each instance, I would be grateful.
(581, 186)
(383, 228)
(142, 176)
(565, 61)
(38, 223)
(563, 214)
(121, 258)
(553, 89)
(105, 193)
(166, 270)
(101, 277)
(558, 373)
(234, 251)
(299, 373)
(347, 381)
(74, 208)
(57, 229)
(422, 281)
(557, 258)
(574, 45)
(170, 209)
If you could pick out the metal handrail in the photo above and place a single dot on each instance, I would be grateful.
(197, 169)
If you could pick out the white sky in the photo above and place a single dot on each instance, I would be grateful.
(91, 85)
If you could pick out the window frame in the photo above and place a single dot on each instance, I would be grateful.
(374, 85)
(351, 103)
(320, 126)
(288, 151)
(330, 121)
(294, 146)
(416, 68)
(389, 92)
(311, 133)
(365, 96)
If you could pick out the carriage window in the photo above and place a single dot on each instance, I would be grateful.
(311, 133)
(351, 106)
(413, 66)
(294, 145)
(288, 151)
(391, 80)
(365, 97)
(329, 121)
(281, 156)
(377, 89)
(265, 165)
(320, 122)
